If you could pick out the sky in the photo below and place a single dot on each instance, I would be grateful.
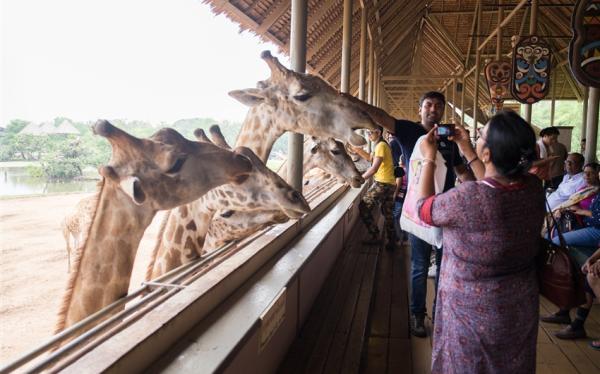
(151, 60)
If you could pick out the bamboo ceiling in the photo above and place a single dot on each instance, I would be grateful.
(434, 39)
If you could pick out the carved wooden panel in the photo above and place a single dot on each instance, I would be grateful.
(531, 70)
(584, 48)
(498, 74)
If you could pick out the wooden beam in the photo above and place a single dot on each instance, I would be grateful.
(232, 9)
(416, 77)
(438, 27)
(505, 21)
(280, 9)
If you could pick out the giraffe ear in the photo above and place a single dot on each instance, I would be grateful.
(133, 188)
(249, 96)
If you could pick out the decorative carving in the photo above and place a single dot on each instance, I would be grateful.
(584, 48)
(531, 70)
(498, 74)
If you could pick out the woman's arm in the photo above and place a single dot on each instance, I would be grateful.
(461, 138)
(424, 185)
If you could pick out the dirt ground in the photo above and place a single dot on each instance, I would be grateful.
(33, 268)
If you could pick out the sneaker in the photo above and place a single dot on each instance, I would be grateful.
(595, 345)
(570, 333)
(417, 326)
(562, 319)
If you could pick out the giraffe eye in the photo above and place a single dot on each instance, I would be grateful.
(335, 152)
(176, 166)
(227, 213)
(303, 97)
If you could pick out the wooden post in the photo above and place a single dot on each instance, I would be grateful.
(586, 97)
(362, 68)
(453, 100)
(553, 102)
(371, 71)
(591, 134)
(499, 36)
(346, 46)
(462, 102)
(532, 31)
(298, 62)
(477, 72)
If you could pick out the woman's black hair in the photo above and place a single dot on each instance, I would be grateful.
(593, 165)
(511, 142)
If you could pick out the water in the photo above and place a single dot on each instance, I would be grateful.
(15, 181)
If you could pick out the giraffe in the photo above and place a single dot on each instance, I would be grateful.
(142, 177)
(329, 155)
(182, 236)
(75, 223)
(302, 103)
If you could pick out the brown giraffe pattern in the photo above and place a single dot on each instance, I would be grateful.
(301, 103)
(76, 223)
(287, 101)
(142, 177)
(182, 236)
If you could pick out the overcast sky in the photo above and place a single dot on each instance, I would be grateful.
(154, 60)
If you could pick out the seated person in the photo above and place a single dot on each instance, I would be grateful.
(583, 243)
(582, 198)
(572, 181)
(592, 269)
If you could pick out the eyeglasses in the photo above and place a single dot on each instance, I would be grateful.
(480, 134)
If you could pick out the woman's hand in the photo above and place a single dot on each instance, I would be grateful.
(461, 136)
(586, 267)
(429, 145)
(580, 212)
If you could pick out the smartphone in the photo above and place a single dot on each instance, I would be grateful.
(445, 130)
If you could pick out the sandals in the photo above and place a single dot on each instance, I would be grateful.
(595, 345)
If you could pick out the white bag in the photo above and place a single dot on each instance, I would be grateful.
(409, 220)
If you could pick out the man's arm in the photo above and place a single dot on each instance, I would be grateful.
(373, 169)
(378, 115)
(361, 152)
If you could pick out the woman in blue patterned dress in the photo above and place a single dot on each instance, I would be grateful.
(487, 302)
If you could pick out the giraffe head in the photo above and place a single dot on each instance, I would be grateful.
(167, 170)
(234, 225)
(330, 155)
(304, 103)
(263, 189)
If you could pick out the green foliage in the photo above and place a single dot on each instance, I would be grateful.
(567, 113)
(65, 156)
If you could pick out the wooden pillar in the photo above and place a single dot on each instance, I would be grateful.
(586, 97)
(453, 100)
(591, 134)
(447, 105)
(553, 102)
(346, 46)
(477, 72)
(462, 102)
(298, 62)
(532, 31)
(362, 68)
(499, 36)
(371, 72)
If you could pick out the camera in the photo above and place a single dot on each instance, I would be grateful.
(445, 130)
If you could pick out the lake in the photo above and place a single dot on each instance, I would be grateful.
(15, 181)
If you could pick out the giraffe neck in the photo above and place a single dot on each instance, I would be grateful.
(259, 131)
(104, 262)
(182, 236)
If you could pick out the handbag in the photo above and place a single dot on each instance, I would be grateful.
(560, 279)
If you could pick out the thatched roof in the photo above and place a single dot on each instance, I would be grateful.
(53, 127)
(412, 37)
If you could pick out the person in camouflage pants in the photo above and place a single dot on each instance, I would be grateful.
(381, 191)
